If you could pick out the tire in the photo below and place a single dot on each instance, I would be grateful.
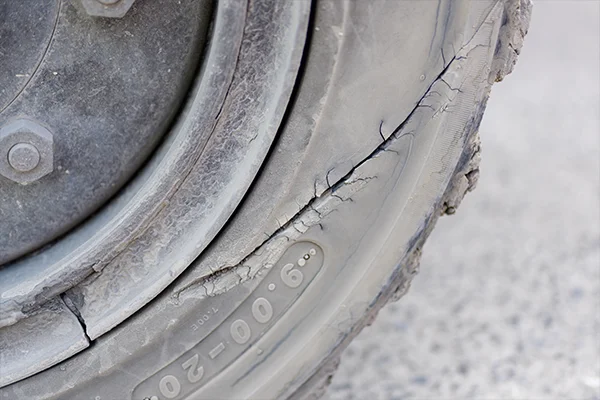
(346, 130)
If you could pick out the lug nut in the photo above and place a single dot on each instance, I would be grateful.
(107, 8)
(23, 157)
(26, 151)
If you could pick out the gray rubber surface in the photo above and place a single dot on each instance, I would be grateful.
(312, 283)
(507, 302)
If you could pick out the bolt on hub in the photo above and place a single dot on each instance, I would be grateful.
(26, 151)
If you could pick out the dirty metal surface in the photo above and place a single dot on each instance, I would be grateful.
(107, 90)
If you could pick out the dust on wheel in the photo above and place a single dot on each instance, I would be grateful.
(207, 200)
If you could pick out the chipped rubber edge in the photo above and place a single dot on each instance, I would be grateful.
(400, 283)
(516, 18)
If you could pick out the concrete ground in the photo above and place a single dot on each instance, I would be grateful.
(507, 303)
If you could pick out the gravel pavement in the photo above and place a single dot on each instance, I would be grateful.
(507, 302)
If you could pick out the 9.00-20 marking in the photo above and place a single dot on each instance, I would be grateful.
(295, 270)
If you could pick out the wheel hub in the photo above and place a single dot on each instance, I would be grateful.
(106, 90)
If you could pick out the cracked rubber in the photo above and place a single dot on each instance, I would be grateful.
(379, 140)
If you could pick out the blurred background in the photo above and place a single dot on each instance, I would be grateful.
(507, 301)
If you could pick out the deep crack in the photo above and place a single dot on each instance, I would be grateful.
(330, 191)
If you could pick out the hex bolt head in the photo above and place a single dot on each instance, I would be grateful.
(107, 8)
(26, 151)
(23, 157)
